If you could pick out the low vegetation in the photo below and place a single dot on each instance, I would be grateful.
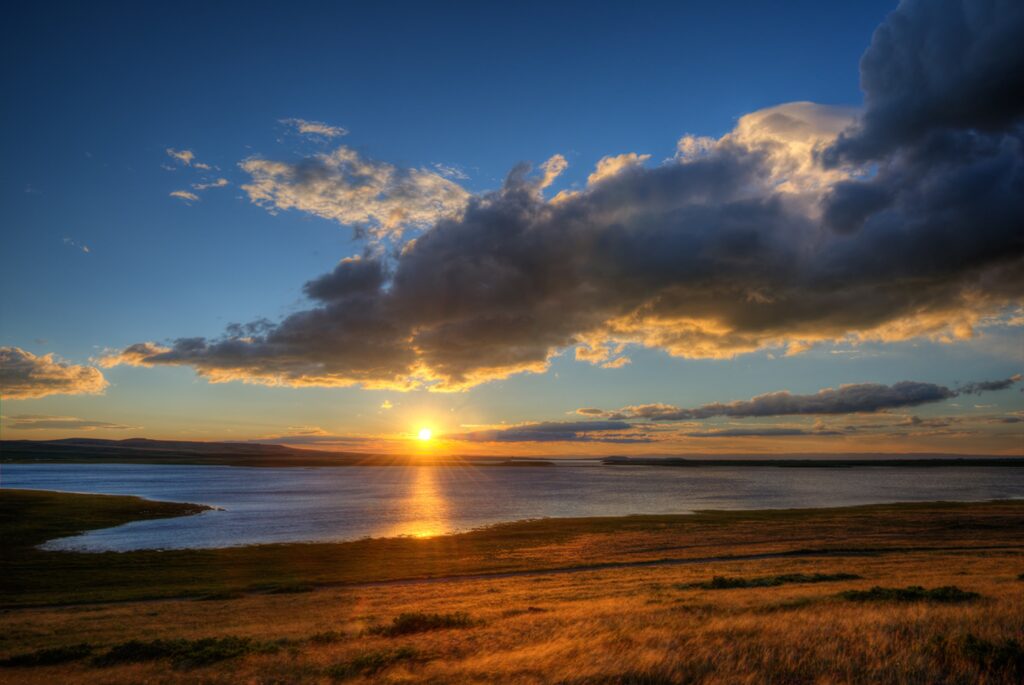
(418, 622)
(727, 583)
(948, 594)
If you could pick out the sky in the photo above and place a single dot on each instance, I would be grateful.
(649, 228)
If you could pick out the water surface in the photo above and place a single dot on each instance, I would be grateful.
(345, 503)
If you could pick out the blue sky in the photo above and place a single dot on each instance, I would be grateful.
(99, 94)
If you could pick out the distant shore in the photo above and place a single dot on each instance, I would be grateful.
(177, 452)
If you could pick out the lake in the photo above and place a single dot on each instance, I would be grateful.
(258, 505)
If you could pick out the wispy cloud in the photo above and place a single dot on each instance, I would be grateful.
(315, 128)
(184, 157)
(77, 245)
(47, 422)
(185, 195)
(219, 183)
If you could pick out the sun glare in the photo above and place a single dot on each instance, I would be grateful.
(425, 434)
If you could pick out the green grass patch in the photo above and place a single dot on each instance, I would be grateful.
(409, 623)
(948, 594)
(371, 663)
(49, 657)
(184, 653)
(727, 583)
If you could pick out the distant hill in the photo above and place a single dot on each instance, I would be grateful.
(144, 451)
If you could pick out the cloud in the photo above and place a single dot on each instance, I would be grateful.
(219, 183)
(979, 387)
(757, 433)
(25, 376)
(315, 128)
(185, 157)
(855, 398)
(450, 171)
(46, 422)
(185, 195)
(376, 197)
(77, 245)
(785, 232)
(554, 431)
(939, 67)
(615, 164)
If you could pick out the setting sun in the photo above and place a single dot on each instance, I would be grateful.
(425, 434)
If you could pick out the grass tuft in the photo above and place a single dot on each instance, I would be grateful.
(409, 623)
(184, 653)
(371, 663)
(1005, 658)
(49, 657)
(727, 583)
(948, 594)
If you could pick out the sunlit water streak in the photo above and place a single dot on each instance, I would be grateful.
(332, 504)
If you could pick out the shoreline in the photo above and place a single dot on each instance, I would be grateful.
(42, 577)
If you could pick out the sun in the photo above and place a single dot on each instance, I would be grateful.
(425, 434)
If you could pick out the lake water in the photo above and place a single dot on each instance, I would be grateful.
(331, 504)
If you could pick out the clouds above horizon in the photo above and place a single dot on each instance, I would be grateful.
(555, 431)
(806, 223)
(854, 398)
(47, 422)
(25, 376)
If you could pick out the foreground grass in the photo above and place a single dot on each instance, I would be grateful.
(912, 594)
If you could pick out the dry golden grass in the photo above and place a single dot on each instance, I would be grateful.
(613, 626)
(560, 618)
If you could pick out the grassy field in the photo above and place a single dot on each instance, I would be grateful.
(928, 593)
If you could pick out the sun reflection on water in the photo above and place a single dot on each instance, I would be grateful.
(424, 506)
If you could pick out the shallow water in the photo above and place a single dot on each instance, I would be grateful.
(345, 503)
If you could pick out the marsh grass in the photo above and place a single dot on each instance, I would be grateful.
(947, 594)
(419, 622)
(727, 583)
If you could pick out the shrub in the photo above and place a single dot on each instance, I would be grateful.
(727, 583)
(949, 594)
(409, 623)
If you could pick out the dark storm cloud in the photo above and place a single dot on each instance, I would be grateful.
(753, 243)
(568, 431)
(940, 65)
